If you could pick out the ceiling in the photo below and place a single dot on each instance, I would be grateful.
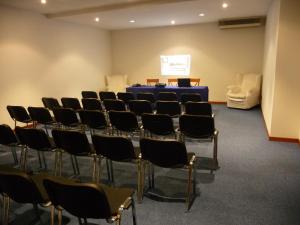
(116, 14)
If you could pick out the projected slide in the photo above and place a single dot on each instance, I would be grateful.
(175, 64)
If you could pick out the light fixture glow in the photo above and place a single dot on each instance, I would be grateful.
(132, 21)
(224, 5)
(201, 14)
(43, 1)
(97, 19)
(173, 22)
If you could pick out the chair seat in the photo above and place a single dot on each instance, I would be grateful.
(239, 95)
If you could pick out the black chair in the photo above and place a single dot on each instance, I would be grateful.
(169, 154)
(94, 120)
(140, 106)
(19, 114)
(190, 97)
(91, 104)
(88, 200)
(126, 96)
(158, 124)
(77, 145)
(198, 108)
(201, 128)
(124, 122)
(104, 95)
(42, 116)
(114, 104)
(145, 96)
(167, 96)
(67, 118)
(50, 103)
(72, 103)
(22, 188)
(171, 108)
(36, 139)
(9, 139)
(113, 148)
(89, 94)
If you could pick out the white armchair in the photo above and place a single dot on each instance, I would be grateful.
(116, 83)
(246, 93)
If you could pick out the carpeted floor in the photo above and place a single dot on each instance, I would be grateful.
(258, 181)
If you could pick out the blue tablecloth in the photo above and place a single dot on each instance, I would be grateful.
(202, 90)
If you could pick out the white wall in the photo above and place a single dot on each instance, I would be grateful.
(41, 57)
(217, 55)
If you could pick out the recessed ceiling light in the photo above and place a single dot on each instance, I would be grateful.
(132, 21)
(43, 1)
(173, 22)
(97, 19)
(201, 14)
(224, 5)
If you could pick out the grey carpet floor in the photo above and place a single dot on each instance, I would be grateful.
(258, 182)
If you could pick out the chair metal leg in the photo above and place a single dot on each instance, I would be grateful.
(194, 180)
(40, 159)
(133, 211)
(118, 220)
(188, 197)
(7, 211)
(76, 165)
(99, 170)
(152, 176)
(52, 215)
(14, 154)
(23, 159)
(108, 170)
(139, 182)
(4, 210)
(59, 215)
(44, 161)
(215, 157)
(73, 165)
(112, 172)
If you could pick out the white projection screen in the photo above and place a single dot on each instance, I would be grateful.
(175, 65)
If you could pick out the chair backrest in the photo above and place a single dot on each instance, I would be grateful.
(66, 116)
(114, 147)
(140, 106)
(40, 115)
(152, 81)
(107, 95)
(91, 104)
(123, 120)
(198, 108)
(172, 81)
(249, 81)
(93, 119)
(195, 126)
(34, 138)
(159, 124)
(7, 135)
(50, 103)
(89, 94)
(20, 187)
(145, 96)
(81, 200)
(73, 142)
(190, 97)
(72, 103)
(19, 113)
(114, 104)
(195, 81)
(164, 153)
(171, 108)
(125, 96)
(167, 96)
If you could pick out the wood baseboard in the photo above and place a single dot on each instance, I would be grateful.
(213, 102)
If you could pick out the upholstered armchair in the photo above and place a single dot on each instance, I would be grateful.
(246, 93)
(116, 83)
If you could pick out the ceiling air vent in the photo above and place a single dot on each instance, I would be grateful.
(241, 22)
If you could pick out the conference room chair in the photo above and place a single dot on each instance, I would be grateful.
(168, 154)
(201, 128)
(158, 125)
(114, 148)
(125, 96)
(152, 82)
(41, 115)
(124, 122)
(107, 95)
(95, 120)
(114, 104)
(50, 103)
(195, 81)
(19, 114)
(146, 96)
(67, 118)
(72, 103)
(140, 106)
(22, 188)
(76, 144)
(91, 104)
(172, 82)
(89, 94)
(199, 108)
(9, 139)
(167, 96)
(171, 108)
(34, 139)
(190, 97)
(89, 200)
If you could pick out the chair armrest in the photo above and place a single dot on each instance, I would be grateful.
(234, 88)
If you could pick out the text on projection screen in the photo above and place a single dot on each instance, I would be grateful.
(175, 65)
